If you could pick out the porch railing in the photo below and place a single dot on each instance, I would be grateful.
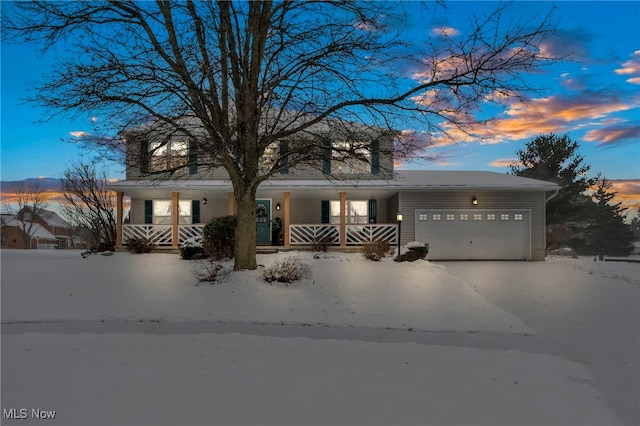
(356, 234)
(309, 234)
(161, 235)
(360, 234)
(189, 231)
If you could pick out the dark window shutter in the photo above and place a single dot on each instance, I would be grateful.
(325, 211)
(195, 211)
(326, 157)
(373, 211)
(144, 156)
(284, 157)
(375, 157)
(193, 157)
(148, 211)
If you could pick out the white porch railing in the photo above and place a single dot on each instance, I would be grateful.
(360, 234)
(188, 231)
(309, 234)
(356, 234)
(161, 235)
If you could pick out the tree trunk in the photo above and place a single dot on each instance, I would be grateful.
(246, 238)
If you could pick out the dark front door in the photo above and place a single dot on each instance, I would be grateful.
(263, 222)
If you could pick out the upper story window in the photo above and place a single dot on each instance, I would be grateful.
(350, 158)
(168, 156)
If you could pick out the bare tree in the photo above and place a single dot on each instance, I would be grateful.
(89, 204)
(239, 77)
(29, 200)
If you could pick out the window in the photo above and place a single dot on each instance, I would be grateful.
(423, 216)
(518, 216)
(163, 209)
(504, 216)
(437, 216)
(350, 158)
(477, 216)
(168, 156)
(451, 216)
(269, 157)
(491, 216)
(356, 211)
(464, 216)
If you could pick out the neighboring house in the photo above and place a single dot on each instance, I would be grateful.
(461, 214)
(49, 231)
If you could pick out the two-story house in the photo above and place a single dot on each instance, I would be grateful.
(461, 214)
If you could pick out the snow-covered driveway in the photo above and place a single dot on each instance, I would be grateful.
(133, 340)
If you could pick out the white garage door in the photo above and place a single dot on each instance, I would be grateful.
(475, 234)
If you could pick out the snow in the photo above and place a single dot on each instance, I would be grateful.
(136, 340)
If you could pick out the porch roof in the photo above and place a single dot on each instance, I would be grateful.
(405, 180)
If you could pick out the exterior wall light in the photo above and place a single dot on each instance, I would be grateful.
(278, 206)
(474, 201)
(204, 200)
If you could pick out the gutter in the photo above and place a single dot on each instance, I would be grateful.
(550, 197)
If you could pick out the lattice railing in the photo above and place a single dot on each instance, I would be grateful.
(308, 234)
(160, 235)
(188, 231)
(360, 234)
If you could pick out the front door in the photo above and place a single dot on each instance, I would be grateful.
(263, 222)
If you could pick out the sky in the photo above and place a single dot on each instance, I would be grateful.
(593, 96)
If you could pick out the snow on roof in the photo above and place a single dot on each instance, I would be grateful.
(404, 180)
(37, 230)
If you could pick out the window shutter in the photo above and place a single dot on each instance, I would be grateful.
(193, 157)
(148, 211)
(326, 157)
(375, 157)
(325, 211)
(195, 211)
(373, 210)
(144, 155)
(284, 157)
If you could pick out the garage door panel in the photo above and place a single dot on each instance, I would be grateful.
(475, 234)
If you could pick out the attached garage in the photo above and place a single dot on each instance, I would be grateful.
(475, 234)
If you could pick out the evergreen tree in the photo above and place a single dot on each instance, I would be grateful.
(555, 159)
(608, 234)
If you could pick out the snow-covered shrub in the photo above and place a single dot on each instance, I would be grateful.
(321, 243)
(412, 251)
(375, 250)
(192, 248)
(210, 271)
(219, 237)
(286, 270)
(140, 245)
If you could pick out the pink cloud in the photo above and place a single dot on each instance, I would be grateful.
(631, 68)
(505, 162)
(444, 31)
(615, 133)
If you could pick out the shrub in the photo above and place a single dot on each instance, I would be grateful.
(322, 243)
(210, 271)
(375, 250)
(140, 245)
(412, 251)
(219, 237)
(286, 270)
(192, 249)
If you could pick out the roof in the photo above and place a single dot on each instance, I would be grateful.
(405, 180)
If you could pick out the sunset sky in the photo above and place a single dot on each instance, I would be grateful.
(594, 97)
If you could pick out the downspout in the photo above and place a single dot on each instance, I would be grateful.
(550, 197)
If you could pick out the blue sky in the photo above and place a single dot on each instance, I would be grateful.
(594, 97)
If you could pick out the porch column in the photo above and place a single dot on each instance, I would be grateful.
(119, 210)
(287, 222)
(231, 210)
(175, 216)
(343, 219)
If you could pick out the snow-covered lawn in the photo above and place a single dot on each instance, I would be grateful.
(345, 290)
(128, 377)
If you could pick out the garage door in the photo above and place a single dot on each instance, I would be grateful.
(475, 234)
